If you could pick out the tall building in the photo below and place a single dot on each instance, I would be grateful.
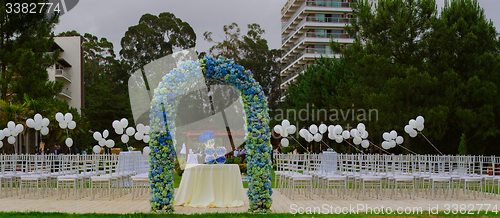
(307, 26)
(69, 70)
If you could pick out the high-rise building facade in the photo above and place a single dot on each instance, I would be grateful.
(307, 26)
(69, 70)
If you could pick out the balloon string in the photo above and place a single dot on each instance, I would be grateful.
(379, 147)
(406, 149)
(354, 146)
(300, 144)
(326, 144)
(431, 143)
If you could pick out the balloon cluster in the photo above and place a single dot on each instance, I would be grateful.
(65, 121)
(120, 125)
(415, 125)
(391, 139)
(314, 133)
(284, 130)
(11, 132)
(142, 133)
(39, 124)
(359, 134)
(207, 135)
(101, 138)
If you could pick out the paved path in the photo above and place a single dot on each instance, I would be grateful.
(281, 204)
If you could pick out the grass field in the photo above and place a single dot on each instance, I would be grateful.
(230, 215)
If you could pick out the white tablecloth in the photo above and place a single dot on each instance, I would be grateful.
(217, 185)
(192, 159)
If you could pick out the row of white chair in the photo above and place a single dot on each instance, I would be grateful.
(79, 175)
(378, 175)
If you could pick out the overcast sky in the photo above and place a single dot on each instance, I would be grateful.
(111, 18)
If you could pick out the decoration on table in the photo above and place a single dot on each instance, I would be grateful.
(220, 154)
(207, 138)
(163, 109)
(416, 126)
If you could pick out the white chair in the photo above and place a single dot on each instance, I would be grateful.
(296, 179)
(141, 180)
(331, 178)
(98, 183)
(35, 177)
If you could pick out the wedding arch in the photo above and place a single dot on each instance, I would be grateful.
(162, 120)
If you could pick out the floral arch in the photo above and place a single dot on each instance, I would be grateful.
(162, 120)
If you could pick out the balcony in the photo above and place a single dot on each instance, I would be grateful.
(324, 22)
(65, 92)
(314, 51)
(293, 74)
(320, 36)
(61, 74)
(330, 4)
(330, 19)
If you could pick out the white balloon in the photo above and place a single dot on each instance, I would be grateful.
(357, 140)
(146, 150)
(339, 139)
(130, 131)
(97, 149)
(365, 144)
(63, 125)
(413, 123)
(365, 135)
(44, 130)
(420, 127)
(303, 133)
(420, 120)
(69, 142)
(105, 133)
(393, 143)
(146, 139)
(19, 128)
(1, 144)
(72, 125)
(11, 125)
(310, 137)
(284, 142)
(317, 137)
(123, 123)
(38, 118)
(313, 129)
(147, 129)
(125, 138)
(97, 136)
(139, 135)
(337, 130)
(30, 123)
(322, 128)
(393, 134)
(291, 129)
(68, 117)
(45, 122)
(140, 127)
(285, 123)
(15, 133)
(277, 129)
(119, 131)
(59, 117)
(331, 128)
(413, 134)
(116, 124)
(386, 136)
(361, 127)
(346, 134)
(408, 129)
(354, 133)
(11, 140)
(399, 140)
(386, 145)
(331, 135)
(7, 132)
(102, 142)
(2, 136)
(284, 133)
(110, 143)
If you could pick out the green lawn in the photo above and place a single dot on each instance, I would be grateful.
(238, 215)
